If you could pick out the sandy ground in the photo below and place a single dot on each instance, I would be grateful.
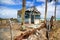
(5, 32)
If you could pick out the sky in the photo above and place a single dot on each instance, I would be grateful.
(9, 8)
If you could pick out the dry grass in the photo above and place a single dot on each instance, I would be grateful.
(5, 32)
(55, 33)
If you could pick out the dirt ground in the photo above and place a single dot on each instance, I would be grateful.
(39, 35)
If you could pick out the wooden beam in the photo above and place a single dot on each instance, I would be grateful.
(23, 10)
(45, 10)
(28, 33)
(55, 10)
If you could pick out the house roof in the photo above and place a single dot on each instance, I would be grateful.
(32, 9)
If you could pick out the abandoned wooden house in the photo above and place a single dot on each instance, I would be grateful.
(31, 15)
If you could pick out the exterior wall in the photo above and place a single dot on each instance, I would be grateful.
(19, 19)
(28, 19)
(36, 21)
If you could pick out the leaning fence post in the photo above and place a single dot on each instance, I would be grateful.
(10, 29)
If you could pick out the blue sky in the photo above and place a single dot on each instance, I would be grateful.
(9, 8)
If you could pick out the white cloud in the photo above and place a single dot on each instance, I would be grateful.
(42, 10)
(28, 3)
(11, 2)
(17, 2)
(58, 0)
(40, 0)
(8, 13)
(50, 10)
(7, 2)
(45, 0)
(58, 11)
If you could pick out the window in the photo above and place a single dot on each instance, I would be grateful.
(37, 16)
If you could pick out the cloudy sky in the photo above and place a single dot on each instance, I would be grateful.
(9, 8)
